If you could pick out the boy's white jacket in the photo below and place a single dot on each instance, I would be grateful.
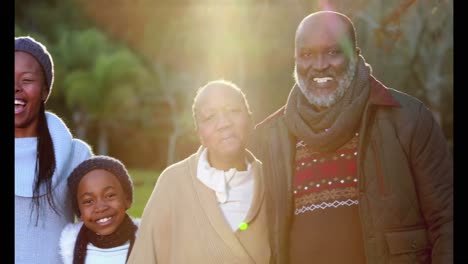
(69, 236)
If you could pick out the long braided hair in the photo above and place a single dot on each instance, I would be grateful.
(45, 165)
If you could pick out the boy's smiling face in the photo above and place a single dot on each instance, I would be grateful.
(102, 201)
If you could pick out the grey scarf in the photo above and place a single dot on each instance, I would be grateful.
(340, 120)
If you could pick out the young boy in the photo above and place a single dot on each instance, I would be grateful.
(101, 192)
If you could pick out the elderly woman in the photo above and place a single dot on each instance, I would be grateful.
(45, 154)
(209, 208)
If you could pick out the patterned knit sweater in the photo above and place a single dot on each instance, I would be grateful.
(326, 226)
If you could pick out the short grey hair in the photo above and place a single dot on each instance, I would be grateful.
(217, 83)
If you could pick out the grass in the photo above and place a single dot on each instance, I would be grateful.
(143, 184)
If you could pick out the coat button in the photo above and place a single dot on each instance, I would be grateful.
(413, 244)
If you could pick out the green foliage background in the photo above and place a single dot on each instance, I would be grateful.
(143, 184)
(126, 72)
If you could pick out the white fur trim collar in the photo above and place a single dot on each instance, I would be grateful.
(68, 239)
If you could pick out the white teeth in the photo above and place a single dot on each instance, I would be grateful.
(322, 80)
(19, 102)
(103, 220)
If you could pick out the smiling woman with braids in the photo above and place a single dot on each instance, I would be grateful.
(45, 154)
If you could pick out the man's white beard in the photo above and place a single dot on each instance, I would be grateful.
(327, 100)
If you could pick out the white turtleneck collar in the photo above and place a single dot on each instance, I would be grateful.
(221, 181)
(233, 188)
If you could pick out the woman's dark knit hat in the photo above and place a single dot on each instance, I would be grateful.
(40, 53)
(107, 163)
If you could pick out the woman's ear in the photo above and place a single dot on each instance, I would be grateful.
(128, 203)
(251, 124)
(251, 129)
(200, 138)
(44, 93)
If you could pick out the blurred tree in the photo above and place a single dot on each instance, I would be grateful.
(184, 44)
(76, 53)
(106, 92)
(175, 97)
(410, 46)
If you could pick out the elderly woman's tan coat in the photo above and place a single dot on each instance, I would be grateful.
(183, 223)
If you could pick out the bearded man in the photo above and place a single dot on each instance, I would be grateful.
(356, 172)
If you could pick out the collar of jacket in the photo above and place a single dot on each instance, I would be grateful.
(209, 194)
(380, 95)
